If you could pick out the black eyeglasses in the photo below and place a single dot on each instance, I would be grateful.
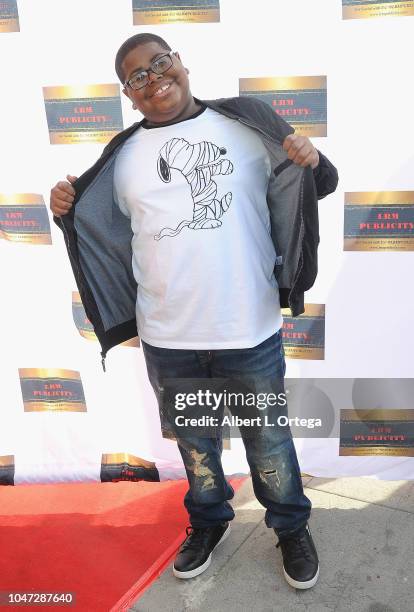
(158, 66)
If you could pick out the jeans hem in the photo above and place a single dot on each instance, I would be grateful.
(198, 525)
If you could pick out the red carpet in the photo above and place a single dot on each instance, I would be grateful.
(105, 542)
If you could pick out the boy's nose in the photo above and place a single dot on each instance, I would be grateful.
(153, 76)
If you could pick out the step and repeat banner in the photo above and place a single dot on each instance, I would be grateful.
(338, 72)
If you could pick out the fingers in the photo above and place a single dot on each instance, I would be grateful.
(62, 196)
(66, 188)
(58, 211)
(71, 178)
(300, 150)
(290, 141)
(307, 161)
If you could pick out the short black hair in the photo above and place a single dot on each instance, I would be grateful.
(132, 43)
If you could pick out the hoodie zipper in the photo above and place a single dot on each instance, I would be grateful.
(301, 190)
(62, 225)
(254, 127)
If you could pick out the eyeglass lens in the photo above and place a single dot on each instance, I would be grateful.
(159, 66)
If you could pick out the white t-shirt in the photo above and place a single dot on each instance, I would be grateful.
(203, 258)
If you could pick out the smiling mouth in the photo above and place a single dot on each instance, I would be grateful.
(161, 90)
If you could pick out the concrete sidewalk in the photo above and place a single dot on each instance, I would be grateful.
(364, 533)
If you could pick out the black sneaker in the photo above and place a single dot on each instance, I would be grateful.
(300, 559)
(194, 554)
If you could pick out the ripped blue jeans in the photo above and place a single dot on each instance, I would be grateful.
(271, 455)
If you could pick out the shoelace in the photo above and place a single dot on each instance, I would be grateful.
(195, 537)
(295, 546)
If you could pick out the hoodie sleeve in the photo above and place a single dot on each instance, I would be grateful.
(326, 177)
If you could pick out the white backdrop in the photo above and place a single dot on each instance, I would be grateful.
(368, 295)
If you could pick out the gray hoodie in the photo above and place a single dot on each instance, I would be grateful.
(98, 236)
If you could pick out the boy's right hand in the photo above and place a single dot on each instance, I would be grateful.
(62, 196)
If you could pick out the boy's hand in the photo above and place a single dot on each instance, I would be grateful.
(301, 151)
(62, 196)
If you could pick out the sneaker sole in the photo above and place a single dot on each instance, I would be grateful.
(301, 585)
(202, 568)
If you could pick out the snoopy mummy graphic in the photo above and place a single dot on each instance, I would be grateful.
(198, 163)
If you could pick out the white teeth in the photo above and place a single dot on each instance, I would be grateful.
(161, 89)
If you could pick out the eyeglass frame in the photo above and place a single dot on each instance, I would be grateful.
(149, 69)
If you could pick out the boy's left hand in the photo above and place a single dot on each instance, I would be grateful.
(301, 151)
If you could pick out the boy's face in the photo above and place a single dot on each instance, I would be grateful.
(157, 106)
